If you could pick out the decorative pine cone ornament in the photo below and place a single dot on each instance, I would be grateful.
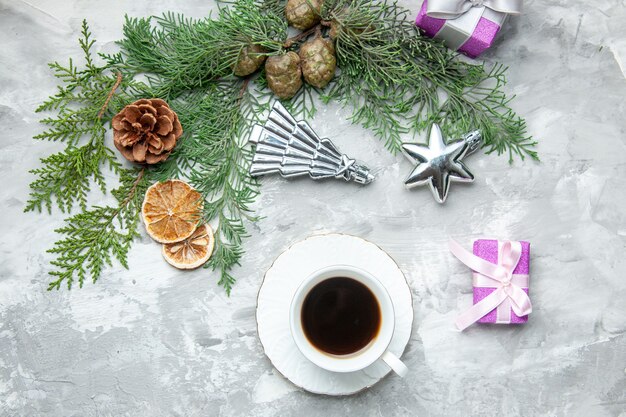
(318, 61)
(146, 131)
(303, 14)
(284, 76)
(250, 59)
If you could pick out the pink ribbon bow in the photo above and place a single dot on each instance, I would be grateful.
(500, 276)
(452, 9)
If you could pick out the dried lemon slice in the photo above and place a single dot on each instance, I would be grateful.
(171, 211)
(191, 252)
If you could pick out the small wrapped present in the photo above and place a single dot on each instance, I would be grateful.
(466, 26)
(500, 280)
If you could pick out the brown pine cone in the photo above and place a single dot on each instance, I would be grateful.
(146, 131)
(284, 76)
(318, 61)
(250, 59)
(303, 14)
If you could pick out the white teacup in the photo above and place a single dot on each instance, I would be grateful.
(376, 349)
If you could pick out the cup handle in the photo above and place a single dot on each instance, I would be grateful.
(395, 364)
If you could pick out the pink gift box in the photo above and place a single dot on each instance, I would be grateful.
(487, 249)
(470, 34)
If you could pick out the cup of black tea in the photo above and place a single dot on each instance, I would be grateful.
(342, 320)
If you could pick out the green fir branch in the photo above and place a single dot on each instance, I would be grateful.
(183, 54)
(394, 79)
(220, 122)
(94, 237)
(67, 176)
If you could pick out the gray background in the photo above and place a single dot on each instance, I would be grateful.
(156, 341)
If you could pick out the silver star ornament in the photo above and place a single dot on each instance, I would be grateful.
(440, 162)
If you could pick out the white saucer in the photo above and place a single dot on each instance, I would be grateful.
(282, 280)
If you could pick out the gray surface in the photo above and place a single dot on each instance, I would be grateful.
(155, 341)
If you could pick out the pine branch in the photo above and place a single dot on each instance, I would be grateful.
(394, 79)
(68, 175)
(219, 164)
(93, 238)
(184, 54)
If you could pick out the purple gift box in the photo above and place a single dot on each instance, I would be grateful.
(471, 33)
(487, 249)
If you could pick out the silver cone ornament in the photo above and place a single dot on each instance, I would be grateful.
(291, 148)
(440, 162)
